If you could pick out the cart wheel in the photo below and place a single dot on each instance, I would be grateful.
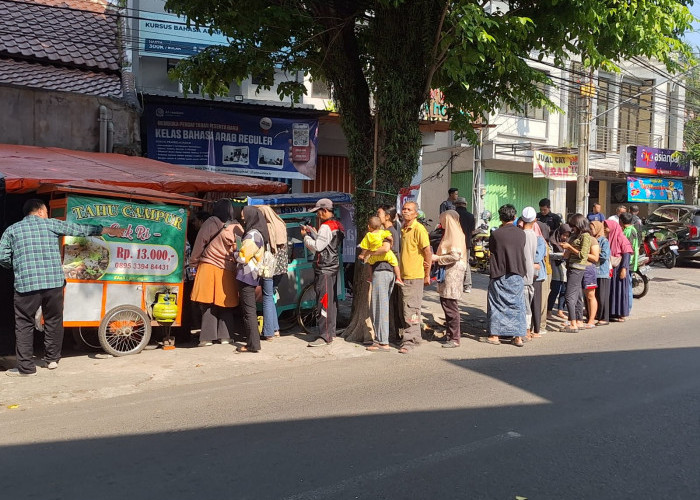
(86, 339)
(124, 330)
(306, 310)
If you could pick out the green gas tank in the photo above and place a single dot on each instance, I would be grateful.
(165, 307)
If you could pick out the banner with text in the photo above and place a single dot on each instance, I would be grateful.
(655, 161)
(555, 166)
(221, 140)
(151, 249)
(652, 190)
(168, 35)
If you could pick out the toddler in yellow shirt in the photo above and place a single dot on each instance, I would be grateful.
(373, 240)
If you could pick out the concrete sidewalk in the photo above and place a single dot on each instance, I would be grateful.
(82, 376)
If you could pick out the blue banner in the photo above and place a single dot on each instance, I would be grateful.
(653, 190)
(221, 140)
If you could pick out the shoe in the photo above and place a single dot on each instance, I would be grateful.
(319, 342)
(225, 341)
(450, 345)
(14, 372)
(52, 365)
(205, 343)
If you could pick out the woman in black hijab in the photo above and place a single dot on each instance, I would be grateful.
(248, 259)
(558, 284)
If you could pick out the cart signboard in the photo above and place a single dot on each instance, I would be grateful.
(151, 249)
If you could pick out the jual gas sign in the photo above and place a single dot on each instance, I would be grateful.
(654, 161)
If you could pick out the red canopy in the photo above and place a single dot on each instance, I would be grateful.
(27, 168)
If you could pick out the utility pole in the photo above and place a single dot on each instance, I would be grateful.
(587, 93)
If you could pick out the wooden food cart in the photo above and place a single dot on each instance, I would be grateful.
(112, 284)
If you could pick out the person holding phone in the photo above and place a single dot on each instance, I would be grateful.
(326, 243)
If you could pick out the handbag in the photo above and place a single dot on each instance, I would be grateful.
(615, 260)
(266, 267)
(439, 274)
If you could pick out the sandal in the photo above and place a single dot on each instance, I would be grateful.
(568, 329)
(588, 326)
(379, 348)
(517, 342)
(489, 340)
(244, 348)
(602, 323)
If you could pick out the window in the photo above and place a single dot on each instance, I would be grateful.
(529, 111)
(605, 116)
(636, 107)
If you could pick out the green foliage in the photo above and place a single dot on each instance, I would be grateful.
(394, 51)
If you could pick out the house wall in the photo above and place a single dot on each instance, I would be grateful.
(36, 117)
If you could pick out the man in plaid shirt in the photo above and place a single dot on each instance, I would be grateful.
(31, 249)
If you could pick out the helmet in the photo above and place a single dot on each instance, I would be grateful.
(421, 215)
(486, 215)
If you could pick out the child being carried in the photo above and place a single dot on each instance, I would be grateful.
(373, 240)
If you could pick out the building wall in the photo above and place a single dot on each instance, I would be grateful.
(60, 119)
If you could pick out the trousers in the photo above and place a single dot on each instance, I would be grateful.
(326, 305)
(382, 286)
(26, 305)
(246, 294)
(412, 293)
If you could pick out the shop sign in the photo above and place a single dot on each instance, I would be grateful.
(654, 161)
(435, 109)
(221, 140)
(555, 166)
(654, 190)
(151, 249)
(168, 35)
(405, 195)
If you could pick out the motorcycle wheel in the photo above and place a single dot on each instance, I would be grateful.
(640, 285)
(668, 259)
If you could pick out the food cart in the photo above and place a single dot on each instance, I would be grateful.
(113, 284)
(296, 299)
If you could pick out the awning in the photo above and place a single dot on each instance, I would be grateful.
(133, 193)
(27, 168)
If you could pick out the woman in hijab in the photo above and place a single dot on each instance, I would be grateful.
(214, 285)
(249, 258)
(558, 285)
(620, 253)
(604, 269)
(452, 255)
(277, 230)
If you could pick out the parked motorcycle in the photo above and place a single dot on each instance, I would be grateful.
(480, 254)
(664, 250)
(640, 281)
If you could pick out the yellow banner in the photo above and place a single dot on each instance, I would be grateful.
(560, 167)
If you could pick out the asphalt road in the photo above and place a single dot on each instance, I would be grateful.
(606, 414)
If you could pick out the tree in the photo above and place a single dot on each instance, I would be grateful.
(388, 54)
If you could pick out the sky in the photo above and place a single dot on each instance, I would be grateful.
(694, 38)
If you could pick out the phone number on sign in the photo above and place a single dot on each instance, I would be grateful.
(140, 266)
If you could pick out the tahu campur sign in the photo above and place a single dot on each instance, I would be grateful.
(655, 161)
(151, 249)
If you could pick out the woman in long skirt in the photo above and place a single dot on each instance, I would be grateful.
(620, 249)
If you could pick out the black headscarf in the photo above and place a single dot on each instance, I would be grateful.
(544, 228)
(254, 219)
(554, 239)
(223, 210)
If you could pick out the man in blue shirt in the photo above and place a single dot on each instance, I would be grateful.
(31, 249)
(596, 214)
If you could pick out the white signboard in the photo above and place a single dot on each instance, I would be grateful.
(168, 35)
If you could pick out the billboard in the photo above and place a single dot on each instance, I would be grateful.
(151, 249)
(556, 166)
(652, 190)
(221, 140)
(168, 35)
(655, 161)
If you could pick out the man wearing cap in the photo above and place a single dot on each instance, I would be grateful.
(449, 203)
(327, 244)
(466, 220)
(415, 261)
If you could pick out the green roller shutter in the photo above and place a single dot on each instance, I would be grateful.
(463, 181)
(520, 190)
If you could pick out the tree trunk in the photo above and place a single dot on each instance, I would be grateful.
(360, 328)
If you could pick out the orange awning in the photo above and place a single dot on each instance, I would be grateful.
(27, 168)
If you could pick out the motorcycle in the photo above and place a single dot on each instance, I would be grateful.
(640, 281)
(663, 250)
(480, 254)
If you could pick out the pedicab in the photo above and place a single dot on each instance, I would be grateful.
(296, 298)
(122, 286)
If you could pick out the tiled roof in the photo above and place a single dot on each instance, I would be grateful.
(48, 77)
(76, 33)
